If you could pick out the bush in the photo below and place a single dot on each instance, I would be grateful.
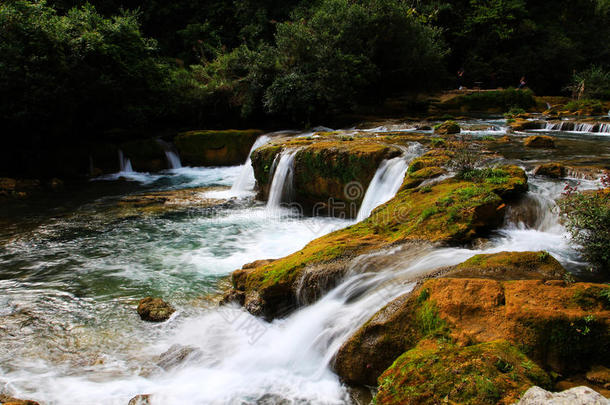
(591, 83)
(587, 218)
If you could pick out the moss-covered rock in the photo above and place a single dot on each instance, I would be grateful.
(521, 124)
(453, 211)
(552, 170)
(215, 148)
(154, 310)
(539, 141)
(561, 326)
(7, 400)
(447, 128)
(322, 171)
(435, 372)
(510, 266)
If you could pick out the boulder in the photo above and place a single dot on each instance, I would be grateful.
(215, 148)
(539, 141)
(435, 372)
(573, 396)
(599, 375)
(154, 310)
(560, 326)
(523, 124)
(145, 155)
(447, 128)
(552, 170)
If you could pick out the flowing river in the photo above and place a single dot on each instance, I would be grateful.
(72, 272)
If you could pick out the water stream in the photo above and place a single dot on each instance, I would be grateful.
(70, 282)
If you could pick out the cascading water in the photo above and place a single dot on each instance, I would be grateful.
(281, 185)
(580, 127)
(124, 163)
(387, 180)
(245, 182)
(173, 160)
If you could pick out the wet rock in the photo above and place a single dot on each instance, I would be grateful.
(7, 400)
(177, 355)
(510, 266)
(573, 396)
(154, 310)
(599, 375)
(233, 296)
(552, 170)
(447, 128)
(146, 155)
(539, 141)
(524, 125)
(434, 372)
(140, 400)
(562, 326)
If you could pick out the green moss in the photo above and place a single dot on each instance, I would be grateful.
(433, 373)
(499, 100)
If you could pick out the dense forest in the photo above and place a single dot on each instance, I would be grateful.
(72, 69)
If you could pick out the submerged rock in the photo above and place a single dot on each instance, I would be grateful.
(539, 141)
(552, 170)
(177, 355)
(434, 373)
(573, 396)
(216, 148)
(154, 310)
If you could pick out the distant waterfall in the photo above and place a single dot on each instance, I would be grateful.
(281, 186)
(584, 127)
(124, 163)
(245, 182)
(387, 181)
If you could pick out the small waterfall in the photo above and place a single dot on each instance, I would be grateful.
(245, 182)
(582, 127)
(124, 163)
(281, 186)
(387, 181)
(173, 160)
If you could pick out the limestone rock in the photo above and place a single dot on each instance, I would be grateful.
(573, 396)
(539, 141)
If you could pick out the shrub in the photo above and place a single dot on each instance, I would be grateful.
(587, 218)
(591, 83)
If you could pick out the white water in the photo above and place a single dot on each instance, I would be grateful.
(281, 185)
(578, 127)
(124, 163)
(386, 182)
(173, 159)
(246, 181)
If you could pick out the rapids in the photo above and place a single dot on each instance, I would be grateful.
(71, 278)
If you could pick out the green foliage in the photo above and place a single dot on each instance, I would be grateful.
(329, 61)
(587, 218)
(591, 83)
(514, 112)
(587, 106)
(427, 319)
(79, 70)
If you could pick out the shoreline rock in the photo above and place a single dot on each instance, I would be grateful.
(153, 309)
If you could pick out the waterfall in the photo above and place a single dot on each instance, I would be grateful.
(387, 181)
(281, 186)
(173, 160)
(124, 163)
(582, 127)
(245, 182)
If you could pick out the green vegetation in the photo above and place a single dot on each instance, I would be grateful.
(587, 216)
(593, 83)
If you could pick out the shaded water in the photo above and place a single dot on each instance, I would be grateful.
(71, 278)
